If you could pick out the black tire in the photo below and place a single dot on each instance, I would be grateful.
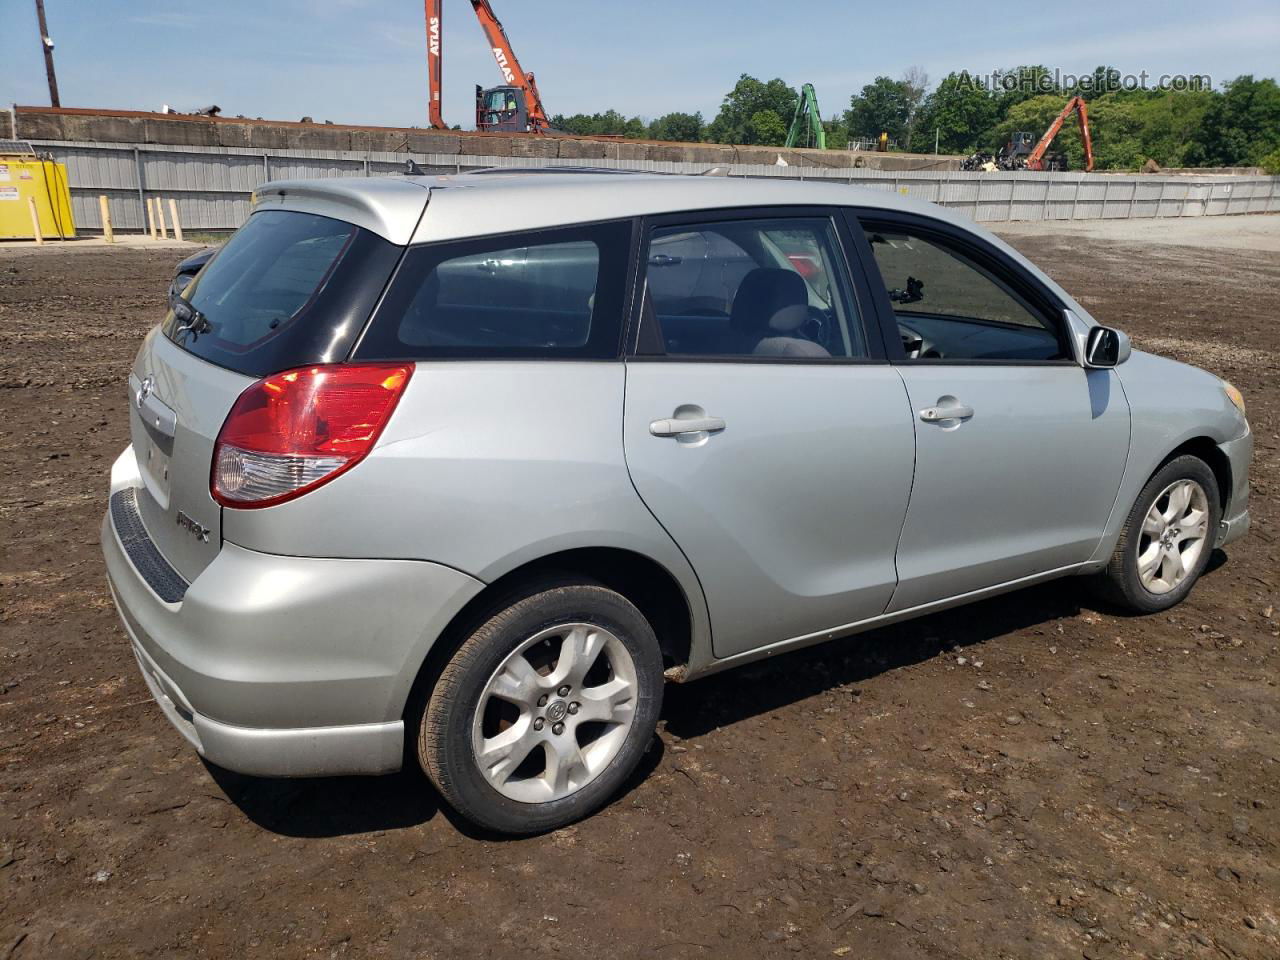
(1120, 582)
(444, 734)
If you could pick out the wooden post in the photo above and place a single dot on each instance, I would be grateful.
(107, 233)
(164, 231)
(151, 218)
(173, 215)
(35, 220)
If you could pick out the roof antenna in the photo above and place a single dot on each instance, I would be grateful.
(411, 169)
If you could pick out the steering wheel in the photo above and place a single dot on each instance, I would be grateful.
(817, 325)
(916, 346)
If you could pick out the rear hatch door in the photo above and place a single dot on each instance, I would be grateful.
(289, 289)
(178, 403)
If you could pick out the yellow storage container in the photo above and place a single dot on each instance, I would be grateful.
(23, 177)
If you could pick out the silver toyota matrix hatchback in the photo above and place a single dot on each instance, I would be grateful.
(463, 468)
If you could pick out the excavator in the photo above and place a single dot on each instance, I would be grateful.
(1019, 154)
(1036, 159)
(806, 125)
(514, 107)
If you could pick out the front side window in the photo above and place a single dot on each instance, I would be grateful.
(501, 100)
(950, 307)
(554, 293)
(769, 288)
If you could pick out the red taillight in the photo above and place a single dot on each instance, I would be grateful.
(805, 265)
(292, 431)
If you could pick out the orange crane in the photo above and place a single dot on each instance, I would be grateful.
(512, 107)
(1035, 160)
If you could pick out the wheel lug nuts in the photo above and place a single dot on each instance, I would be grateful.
(542, 700)
(574, 707)
(539, 723)
(563, 691)
(558, 729)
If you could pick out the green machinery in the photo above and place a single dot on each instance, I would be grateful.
(806, 126)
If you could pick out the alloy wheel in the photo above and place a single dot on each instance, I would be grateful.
(555, 713)
(1174, 535)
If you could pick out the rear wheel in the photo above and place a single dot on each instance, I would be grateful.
(545, 709)
(1167, 539)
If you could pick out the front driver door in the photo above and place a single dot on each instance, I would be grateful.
(763, 427)
(1019, 449)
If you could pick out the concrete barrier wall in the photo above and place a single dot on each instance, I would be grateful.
(212, 185)
(124, 126)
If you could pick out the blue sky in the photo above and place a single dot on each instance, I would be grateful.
(364, 61)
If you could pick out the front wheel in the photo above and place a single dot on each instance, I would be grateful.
(545, 709)
(1167, 539)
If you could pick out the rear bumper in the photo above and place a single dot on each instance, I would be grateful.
(1235, 518)
(366, 748)
(288, 666)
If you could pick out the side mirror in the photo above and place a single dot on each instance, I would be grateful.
(1106, 347)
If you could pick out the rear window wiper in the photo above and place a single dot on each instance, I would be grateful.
(190, 319)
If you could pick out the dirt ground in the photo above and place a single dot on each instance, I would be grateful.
(1031, 777)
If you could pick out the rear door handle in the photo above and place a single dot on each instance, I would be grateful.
(676, 426)
(951, 410)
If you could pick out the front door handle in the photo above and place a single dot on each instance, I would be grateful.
(676, 426)
(948, 408)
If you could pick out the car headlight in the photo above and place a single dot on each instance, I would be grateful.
(1234, 395)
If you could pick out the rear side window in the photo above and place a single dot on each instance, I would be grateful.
(286, 290)
(552, 293)
(767, 289)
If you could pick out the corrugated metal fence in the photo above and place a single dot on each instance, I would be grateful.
(212, 185)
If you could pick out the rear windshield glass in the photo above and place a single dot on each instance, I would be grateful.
(551, 293)
(287, 289)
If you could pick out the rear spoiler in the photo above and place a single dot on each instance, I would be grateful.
(388, 206)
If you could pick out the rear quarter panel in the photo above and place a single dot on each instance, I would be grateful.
(485, 466)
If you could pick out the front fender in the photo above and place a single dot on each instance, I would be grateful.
(1171, 404)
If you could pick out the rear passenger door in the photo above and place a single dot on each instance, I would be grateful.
(763, 426)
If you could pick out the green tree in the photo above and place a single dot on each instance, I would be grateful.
(1198, 126)
(1240, 126)
(1024, 83)
(961, 112)
(1116, 126)
(765, 126)
(884, 105)
(735, 123)
(609, 123)
(1103, 81)
(915, 84)
(1169, 121)
(837, 131)
(1034, 115)
(677, 127)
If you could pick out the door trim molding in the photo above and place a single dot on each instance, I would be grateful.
(860, 626)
